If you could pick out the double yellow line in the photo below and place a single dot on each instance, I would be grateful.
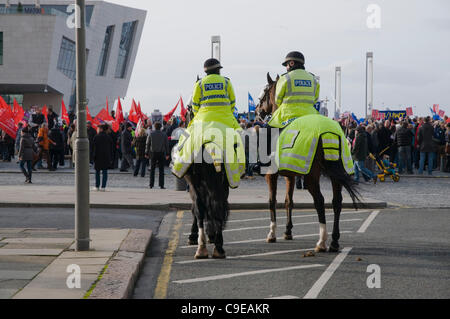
(164, 276)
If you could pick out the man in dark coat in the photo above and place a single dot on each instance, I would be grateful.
(360, 152)
(26, 154)
(125, 142)
(52, 118)
(427, 147)
(102, 154)
(403, 139)
(91, 132)
(384, 137)
(157, 149)
(57, 149)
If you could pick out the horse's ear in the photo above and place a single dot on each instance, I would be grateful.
(198, 78)
(269, 79)
(278, 77)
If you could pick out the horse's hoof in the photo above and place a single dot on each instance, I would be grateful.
(218, 255)
(202, 253)
(288, 237)
(271, 240)
(319, 249)
(333, 249)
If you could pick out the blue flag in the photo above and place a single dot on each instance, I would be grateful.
(236, 113)
(356, 119)
(251, 104)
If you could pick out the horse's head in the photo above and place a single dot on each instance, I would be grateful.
(267, 105)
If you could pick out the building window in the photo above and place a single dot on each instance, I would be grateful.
(66, 60)
(126, 41)
(1, 48)
(104, 56)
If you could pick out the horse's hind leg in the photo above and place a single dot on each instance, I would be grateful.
(193, 237)
(289, 202)
(202, 251)
(319, 203)
(219, 252)
(337, 207)
(271, 180)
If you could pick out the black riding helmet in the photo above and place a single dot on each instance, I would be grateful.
(294, 56)
(212, 64)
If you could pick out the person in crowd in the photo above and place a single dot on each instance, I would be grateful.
(25, 154)
(52, 118)
(102, 156)
(439, 139)
(447, 147)
(157, 150)
(360, 151)
(427, 148)
(416, 152)
(37, 119)
(125, 141)
(115, 147)
(72, 140)
(57, 147)
(91, 134)
(6, 144)
(384, 137)
(139, 142)
(44, 144)
(403, 139)
(18, 138)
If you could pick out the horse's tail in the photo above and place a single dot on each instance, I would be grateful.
(336, 171)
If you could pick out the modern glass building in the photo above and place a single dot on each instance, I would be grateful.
(37, 52)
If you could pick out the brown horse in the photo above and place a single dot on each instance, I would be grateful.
(334, 169)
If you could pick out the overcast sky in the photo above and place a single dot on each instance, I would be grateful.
(411, 49)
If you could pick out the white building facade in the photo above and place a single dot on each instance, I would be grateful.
(37, 52)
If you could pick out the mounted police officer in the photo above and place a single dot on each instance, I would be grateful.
(214, 94)
(297, 92)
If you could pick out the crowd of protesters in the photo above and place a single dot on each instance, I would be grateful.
(411, 143)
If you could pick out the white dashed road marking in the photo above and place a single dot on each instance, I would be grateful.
(369, 219)
(247, 273)
(280, 252)
(322, 281)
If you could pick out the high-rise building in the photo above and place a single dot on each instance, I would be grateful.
(37, 52)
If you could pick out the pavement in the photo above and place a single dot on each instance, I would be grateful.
(43, 264)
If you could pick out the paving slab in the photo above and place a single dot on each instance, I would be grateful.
(30, 252)
(17, 274)
(37, 240)
(7, 293)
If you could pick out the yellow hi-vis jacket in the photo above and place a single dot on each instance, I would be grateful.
(213, 90)
(297, 144)
(214, 127)
(296, 94)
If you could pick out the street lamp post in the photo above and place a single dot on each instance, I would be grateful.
(215, 47)
(369, 83)
(82, 142)
(337, 92)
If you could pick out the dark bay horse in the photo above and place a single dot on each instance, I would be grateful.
(209, 190)
(333, 169)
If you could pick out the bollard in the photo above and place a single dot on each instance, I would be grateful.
(442, 164)
(180, 185)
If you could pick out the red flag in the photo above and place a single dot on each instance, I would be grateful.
(134, 113)
(441, 113)
(170, 114)
(143, 116)
(107, 105)
(45, 112)
(7, 119)
(375, 114)
(64, 114)
(18, 112)
(119, 116)
(183, 110)
(409, 111)
(94, 123)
